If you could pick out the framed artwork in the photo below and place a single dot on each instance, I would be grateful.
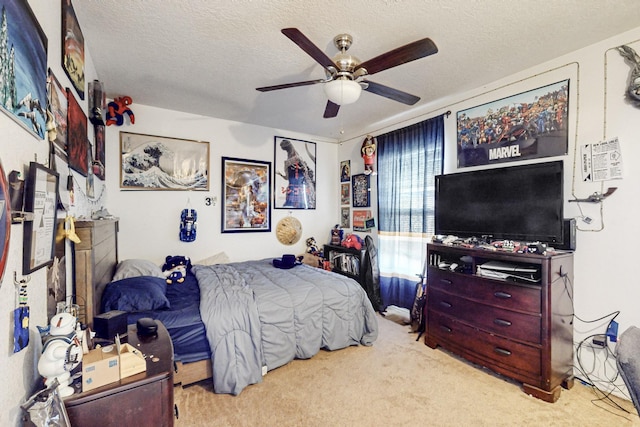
(23, 91)
(5, 221)
(72, 48)
(41, 200)
(149, 162)
(360, 219)
(57, 116)
(360, 190)
(294, 173)
(246, 195)
(528, 125)
(345, 221)
(99, 157)
(77, 142)
(345, 171)
(345, 193)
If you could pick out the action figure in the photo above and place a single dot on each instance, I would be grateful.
(368, 152)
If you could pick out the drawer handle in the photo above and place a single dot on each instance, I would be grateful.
(175, 411)
(446, 328)
(445, 304)
(502, 295)
(446, 282)
(502, 351)
(501, 322)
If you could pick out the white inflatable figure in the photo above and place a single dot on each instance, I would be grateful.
(61, 352)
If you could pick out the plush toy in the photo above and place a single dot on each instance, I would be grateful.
(116, 110)
(175, 268)
(312, 246)
(352, 241)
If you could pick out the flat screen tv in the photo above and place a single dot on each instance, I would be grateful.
(521, 203)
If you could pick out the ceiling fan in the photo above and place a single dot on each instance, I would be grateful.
(347, 75)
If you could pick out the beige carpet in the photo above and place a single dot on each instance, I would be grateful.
(396, 382)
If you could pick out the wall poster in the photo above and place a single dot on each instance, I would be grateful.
(528, 125)
(294, 174)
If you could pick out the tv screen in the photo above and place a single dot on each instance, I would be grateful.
(520, 203)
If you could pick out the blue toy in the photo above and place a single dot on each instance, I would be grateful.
(176, 268)
(188, 225)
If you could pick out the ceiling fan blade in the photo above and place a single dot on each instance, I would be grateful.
(288, 85)
(307, 45)
(388, 92)
(331, 110)
(402, 55)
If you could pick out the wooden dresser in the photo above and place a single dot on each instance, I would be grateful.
(95, 260)
(520, 329)
(144, 399)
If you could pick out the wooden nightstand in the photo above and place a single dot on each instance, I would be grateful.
(144, 399)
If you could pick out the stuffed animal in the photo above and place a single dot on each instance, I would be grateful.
(352, 241)
(176, 268)
(312, 246)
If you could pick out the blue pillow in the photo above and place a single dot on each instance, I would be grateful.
(141, 293)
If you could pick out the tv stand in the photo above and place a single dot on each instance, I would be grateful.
(520, 329)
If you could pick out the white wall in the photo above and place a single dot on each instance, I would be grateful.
(605, 260)
(149, 220)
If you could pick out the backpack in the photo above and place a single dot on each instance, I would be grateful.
(417, 310)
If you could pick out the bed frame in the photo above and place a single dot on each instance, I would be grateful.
(95, 260)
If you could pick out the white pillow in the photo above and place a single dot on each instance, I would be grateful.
(136, 267)
(219, 258)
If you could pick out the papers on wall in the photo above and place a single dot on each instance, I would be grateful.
(601, 161)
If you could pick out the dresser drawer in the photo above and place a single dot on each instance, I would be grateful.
(523, 361)
(516, 325)
(509, 295)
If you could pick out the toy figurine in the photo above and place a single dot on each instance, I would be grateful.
(175, 268)
(368, 152)
(116, 110)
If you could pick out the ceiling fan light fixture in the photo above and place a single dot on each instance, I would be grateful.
(342, 91)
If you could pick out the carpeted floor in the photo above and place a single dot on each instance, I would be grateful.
(396, 382)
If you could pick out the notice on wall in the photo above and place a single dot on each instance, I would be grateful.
(601, 161)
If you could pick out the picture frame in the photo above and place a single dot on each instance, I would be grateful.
(246, 195)
(29, 62)
(361, 220)
(57, 106)
(345, 171)
(150, 162)
(294, 174)
(99, 159)
(72, 48)
(529, 125)
(345, 217)
(5, 220)
(360, 190)
(345, 193)
(77, 141)
(39, 231)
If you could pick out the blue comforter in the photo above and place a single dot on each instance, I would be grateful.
(261, 317)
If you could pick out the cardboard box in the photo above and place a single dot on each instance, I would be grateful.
(131, 361)
(100, 367)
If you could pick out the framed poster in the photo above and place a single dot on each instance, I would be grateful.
(5, 221)
(345, 221)
(72, 47)
(99, 157)
(57, 116)
(246, 195)
(528, 125)
(294, 173)
(41, 200)
(360, 190)
(77, 141)
(345, 193)
(23, 82)
(345, 171)
(149, 162)
(361, 220)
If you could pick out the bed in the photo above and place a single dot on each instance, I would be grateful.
(234, 322)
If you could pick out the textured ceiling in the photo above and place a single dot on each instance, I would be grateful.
(207, 57)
